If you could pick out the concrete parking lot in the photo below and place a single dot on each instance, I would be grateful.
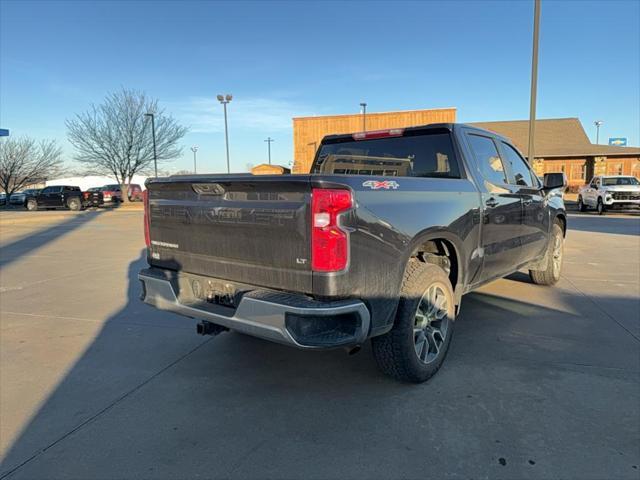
(539, 382)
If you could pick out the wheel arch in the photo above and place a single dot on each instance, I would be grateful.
(562, 219)
(432, 243)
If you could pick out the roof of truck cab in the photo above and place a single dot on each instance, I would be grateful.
(417, 128)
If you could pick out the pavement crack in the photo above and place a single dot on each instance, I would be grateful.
(104, 410)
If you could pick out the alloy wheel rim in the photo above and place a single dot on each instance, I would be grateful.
(557, 255)
(431, 324)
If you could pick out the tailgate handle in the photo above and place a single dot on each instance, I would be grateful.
(208, 188)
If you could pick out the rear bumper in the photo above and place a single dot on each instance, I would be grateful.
(290, 319)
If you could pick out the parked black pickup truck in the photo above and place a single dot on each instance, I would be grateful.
(56, 196)
(380, 241)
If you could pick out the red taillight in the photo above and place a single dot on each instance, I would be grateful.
(394, 132)
(85, 195)
(147, 213)
(329, 243)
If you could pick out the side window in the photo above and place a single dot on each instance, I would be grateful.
(521, 172)
(56, 189)
(46, 190)
(595, 183)
(488, 159)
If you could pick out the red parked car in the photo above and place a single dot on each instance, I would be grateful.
(113, 193)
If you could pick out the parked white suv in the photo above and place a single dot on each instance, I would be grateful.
(609, 191)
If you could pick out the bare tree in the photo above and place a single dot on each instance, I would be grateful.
(115, 138)
(24, 161)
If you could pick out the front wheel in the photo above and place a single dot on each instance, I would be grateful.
(414, 349)
(553, 266)
(32, 205)
(600, 208)
(581, 206)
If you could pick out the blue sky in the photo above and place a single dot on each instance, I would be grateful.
(285, 59)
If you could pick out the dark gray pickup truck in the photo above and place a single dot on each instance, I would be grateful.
(379, 242)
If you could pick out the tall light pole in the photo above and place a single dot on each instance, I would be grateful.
(194, 149)
(534, 82)
(224, 100)
(364, 116)
(269, 140)
(597, 123)
(153, 134)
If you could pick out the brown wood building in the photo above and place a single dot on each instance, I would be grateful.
(309, 131)
(561, 145)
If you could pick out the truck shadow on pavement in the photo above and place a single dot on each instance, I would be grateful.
(28, 243)
(149, 398)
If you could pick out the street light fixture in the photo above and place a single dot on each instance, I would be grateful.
(597, 123)
(194, 149)
(224, 100)
(269, 140)
(153, 133)
(364, 116)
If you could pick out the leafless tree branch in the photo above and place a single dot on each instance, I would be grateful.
(24, 161)
(115, 138)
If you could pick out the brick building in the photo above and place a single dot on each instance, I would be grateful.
(561, 145)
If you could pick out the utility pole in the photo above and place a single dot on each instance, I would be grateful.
(269, 140)
(364, 116)
(194, 149)
(224, 100)
(534, 82)
(597, 123)
(153, 134)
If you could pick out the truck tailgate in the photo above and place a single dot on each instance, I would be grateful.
(242, 228)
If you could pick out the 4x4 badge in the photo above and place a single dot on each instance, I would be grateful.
(378, 184)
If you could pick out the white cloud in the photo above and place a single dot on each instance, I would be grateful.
(204, 115)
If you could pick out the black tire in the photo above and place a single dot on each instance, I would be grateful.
(74, 204)
(397, 352)
(31, 205)
(581, 206)
(555, 253)
(600, 207)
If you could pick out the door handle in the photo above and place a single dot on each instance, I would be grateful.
(491, 202)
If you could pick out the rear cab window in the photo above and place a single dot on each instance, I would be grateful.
(414, 154)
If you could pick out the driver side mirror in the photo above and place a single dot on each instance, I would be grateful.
(552, 181)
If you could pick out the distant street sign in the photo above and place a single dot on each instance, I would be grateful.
(618, 142)
(4, 132)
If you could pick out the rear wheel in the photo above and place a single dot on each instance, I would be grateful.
(414, 349)
(553, 267)
(74, 204)
(581, 206)
(32, 205)
(600, 207)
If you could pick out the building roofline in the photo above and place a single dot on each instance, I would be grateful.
(378, 113)
(527, 120)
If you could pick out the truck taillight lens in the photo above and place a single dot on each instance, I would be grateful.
(147, 213)
(329, 243)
